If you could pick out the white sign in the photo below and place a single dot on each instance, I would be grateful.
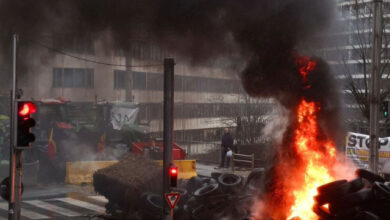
(358, 149)
(172, 199)
(121, 116)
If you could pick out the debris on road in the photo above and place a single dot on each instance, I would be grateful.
(366, 197)
(137, 194)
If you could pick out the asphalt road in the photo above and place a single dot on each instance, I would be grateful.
(58, 203)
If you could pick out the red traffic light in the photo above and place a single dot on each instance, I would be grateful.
(27, 108)
(173, 171)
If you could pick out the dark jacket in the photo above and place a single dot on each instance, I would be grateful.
(227, 141)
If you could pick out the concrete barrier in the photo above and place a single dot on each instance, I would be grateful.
(81, 172)
(187, 168)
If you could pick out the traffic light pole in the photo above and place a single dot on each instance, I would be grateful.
(12, 206)
(168, 129)
(375, 85)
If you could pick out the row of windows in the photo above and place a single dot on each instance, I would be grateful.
(84, 78)
(155, 81)
(154, 111)
(73, 78)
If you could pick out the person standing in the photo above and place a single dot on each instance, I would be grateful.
(226, 145)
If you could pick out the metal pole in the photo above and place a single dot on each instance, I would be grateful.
(18, 182)
(13, 140)
(168, 128)
(375, 85)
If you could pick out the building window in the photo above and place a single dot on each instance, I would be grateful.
(139, 80)
(119, 79)
(73, 78)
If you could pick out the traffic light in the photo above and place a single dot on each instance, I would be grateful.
(385, 109)
(173, 172)
(25, 123)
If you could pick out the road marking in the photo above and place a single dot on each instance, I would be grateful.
(53, 208)
(81, 204)
(25, 213)
(99, 198)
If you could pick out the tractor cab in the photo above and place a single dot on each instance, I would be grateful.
(52, 123)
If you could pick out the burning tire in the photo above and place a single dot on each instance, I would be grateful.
(330, 186)
(321, 212)
(338, 189)
(372, 177)
(229, 181)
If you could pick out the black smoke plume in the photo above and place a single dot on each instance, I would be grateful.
(263, 34)
(266, 35)
(199, 29)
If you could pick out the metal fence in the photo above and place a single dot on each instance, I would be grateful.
(202, 151)
(210, 152)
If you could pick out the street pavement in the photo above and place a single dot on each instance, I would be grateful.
(204, 169)
(58, 203)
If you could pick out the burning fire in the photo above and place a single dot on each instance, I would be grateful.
(317, 157)
(305, 66)
(306, 163)
(317, 154)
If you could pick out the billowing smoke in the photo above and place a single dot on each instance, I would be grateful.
(263, 33)
(266, 35)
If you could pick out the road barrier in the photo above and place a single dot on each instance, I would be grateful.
(81, 172)
(187, 168)
(243, 158)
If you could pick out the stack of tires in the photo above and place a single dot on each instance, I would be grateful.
(366, 197)
(222, 196)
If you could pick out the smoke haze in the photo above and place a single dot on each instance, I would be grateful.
(260, 33)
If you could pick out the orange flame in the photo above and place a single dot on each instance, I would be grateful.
(305, 164)
(305, 66)
(317, 155)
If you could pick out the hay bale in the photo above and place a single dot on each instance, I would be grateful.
(124, 182)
